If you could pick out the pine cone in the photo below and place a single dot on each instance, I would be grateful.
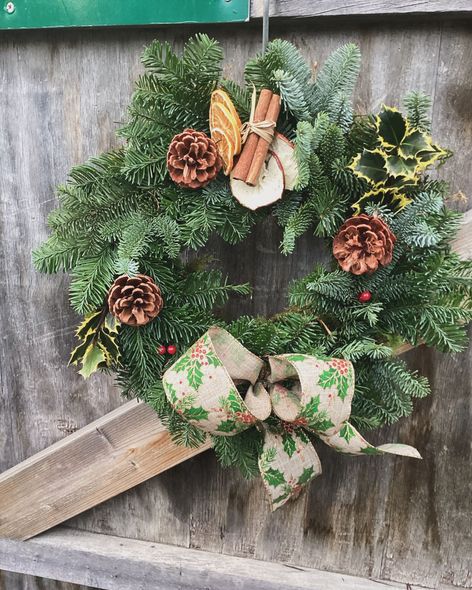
(135, 300)
(193, 159)
(363, 243)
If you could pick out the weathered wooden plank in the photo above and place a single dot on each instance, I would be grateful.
(111, 455)
(387, 518)
(114, 563)
(322, 8)
(463, 243)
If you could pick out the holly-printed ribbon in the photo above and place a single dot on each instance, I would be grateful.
(306, 393)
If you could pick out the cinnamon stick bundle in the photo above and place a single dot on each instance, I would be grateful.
(262, 145)
(243, 165)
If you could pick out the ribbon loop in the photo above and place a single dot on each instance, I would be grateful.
(306, 393)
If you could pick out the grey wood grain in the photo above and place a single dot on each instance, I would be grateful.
(64, 94)
(114, 563)
(14, 581)
(322, 8)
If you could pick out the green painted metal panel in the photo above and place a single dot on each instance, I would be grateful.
(38, 14)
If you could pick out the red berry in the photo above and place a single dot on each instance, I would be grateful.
(365, 296)
(171, 349)
(162, 349)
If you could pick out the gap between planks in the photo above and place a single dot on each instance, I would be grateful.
(348, 8)
(114, 563)
(111, 455)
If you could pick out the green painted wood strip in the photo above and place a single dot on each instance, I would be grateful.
(38, 14)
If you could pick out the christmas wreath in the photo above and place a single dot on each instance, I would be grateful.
(203, 155)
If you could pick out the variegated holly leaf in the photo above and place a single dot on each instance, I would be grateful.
(98, 348)
(404, 168)
(370, 165)
(391, 127)
(415, 142)
(93, 359)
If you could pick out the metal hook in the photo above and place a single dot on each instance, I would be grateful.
(265, 25)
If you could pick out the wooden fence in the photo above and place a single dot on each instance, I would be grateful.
(64, 93)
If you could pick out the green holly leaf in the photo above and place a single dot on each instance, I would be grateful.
(328, 378)
(312, 406)
(170, 390)
(196, 413)
(93, 358)
(347, 432)
(274, 477)
(281, 498)
(295, 357)
(343, 387)
(227, 426)
(391, 127)
(289, 444)
(182, 364)
(415, 142)
(320, 422)
(370, 165)
(370, 451)
(213, 359)
(302, 435)
(401, 167)
(194, 375)
(306, 476)
(234, 401)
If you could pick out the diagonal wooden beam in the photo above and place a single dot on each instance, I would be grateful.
(107, 457)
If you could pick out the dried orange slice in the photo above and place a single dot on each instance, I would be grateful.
(225, 148)
(225, 127)
(221, 118)
(221, 97)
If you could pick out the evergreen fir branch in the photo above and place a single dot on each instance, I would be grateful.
(296, 226)
(284, 209)
(303, 151)
(340, 111)
(279, 55)
(57, 254)
(337, 76)
(241, 451)
(292, 95)
(208, 289)
(418, 106)
(91, 279)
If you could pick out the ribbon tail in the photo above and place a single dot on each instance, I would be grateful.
(288, 462)
(348, 440)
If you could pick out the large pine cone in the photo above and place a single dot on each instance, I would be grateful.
(135, 300)
(193, 159)
(363, 243)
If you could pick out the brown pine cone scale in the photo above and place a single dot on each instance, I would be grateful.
(135, 301)
(193, 159)
(364, 243)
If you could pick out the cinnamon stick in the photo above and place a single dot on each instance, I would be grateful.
(241, 169)
(262, 147)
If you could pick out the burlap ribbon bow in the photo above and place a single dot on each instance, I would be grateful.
(305, 392)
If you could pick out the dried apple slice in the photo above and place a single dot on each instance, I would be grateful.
(285, 150)
(269, 189)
